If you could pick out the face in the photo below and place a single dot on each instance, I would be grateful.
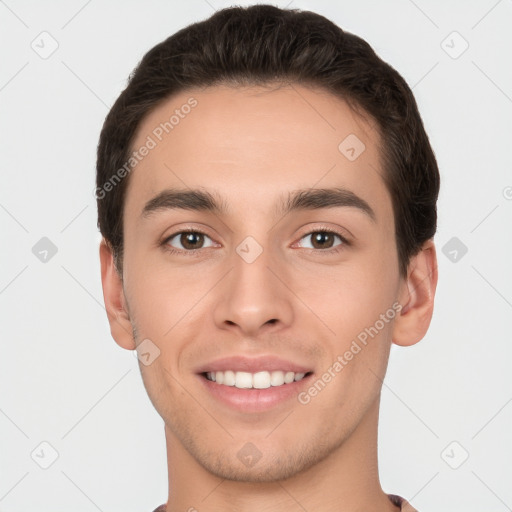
(248, 282)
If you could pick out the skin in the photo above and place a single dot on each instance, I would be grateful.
(252, 145)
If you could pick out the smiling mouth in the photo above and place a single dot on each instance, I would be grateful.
(258, 380)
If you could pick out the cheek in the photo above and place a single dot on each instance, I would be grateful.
(350, 298)
(160, 294)
(352, 375)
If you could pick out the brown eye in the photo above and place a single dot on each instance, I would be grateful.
(191, 240)
(188, 240)
(323, 240)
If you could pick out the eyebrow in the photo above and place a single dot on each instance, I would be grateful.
(302, 199)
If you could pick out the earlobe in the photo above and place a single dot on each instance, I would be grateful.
(417, 297)
(115, 304)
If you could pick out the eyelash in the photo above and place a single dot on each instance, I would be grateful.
(195, 252)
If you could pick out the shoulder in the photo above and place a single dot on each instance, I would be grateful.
(404, 505)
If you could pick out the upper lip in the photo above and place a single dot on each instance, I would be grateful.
(252, 365)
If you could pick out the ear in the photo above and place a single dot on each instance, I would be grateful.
(115, 302)
(417, 297)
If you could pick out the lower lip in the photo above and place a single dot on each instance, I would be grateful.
(255, 400)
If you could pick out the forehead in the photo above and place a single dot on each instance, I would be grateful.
(250, 144)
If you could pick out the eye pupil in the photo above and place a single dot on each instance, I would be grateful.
(190, 240)
(321, 237)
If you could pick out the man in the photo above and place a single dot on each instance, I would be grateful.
(267, 197)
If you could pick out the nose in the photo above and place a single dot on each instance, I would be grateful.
(252, 298)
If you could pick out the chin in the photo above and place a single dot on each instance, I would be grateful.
(278, 466)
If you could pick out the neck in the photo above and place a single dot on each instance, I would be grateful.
(347, 480)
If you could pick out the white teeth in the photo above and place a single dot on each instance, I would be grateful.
(258, 380)
(261, 380)
(288, 377)
(277, 378)
(243, 380)
(229, 378)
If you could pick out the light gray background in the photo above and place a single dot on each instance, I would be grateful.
(65, 382)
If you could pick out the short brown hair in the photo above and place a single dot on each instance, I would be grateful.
(263, 44)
